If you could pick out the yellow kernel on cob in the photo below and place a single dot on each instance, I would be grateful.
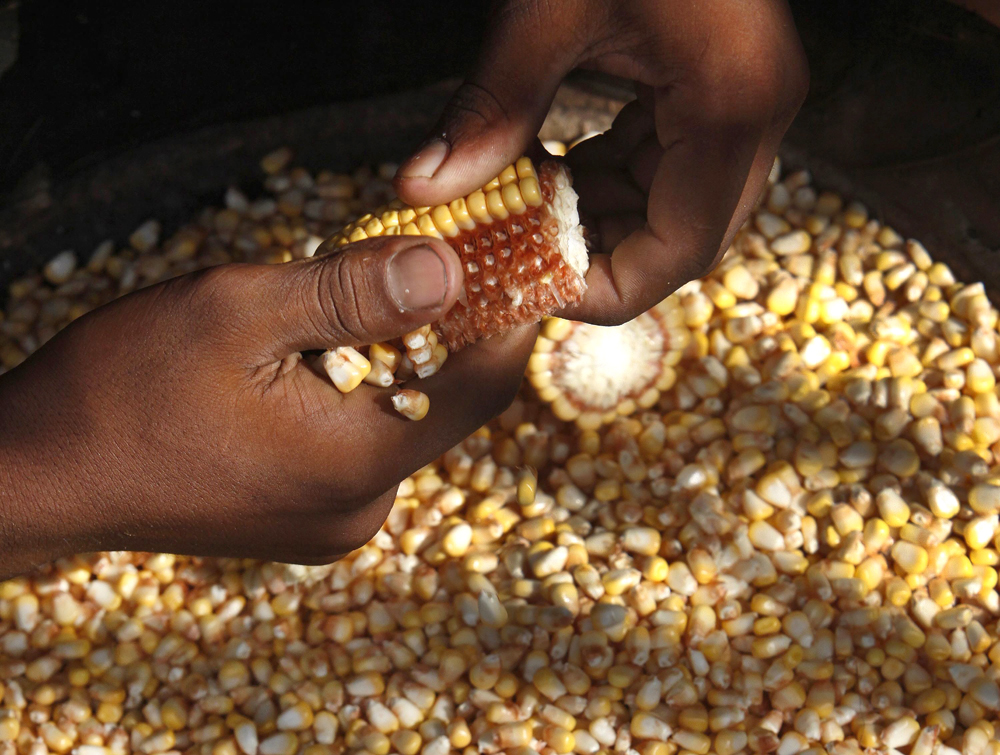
(512, 200)
(425, 224)
(531, 192)
(525, 168)
(444, 221)
(476, 203)
(460, 214)
(495, 205)
(508, 175)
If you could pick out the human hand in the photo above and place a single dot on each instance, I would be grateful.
(182, 419)
(668, 186)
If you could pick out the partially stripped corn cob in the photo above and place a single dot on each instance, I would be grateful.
(522, 249)
(519, 239)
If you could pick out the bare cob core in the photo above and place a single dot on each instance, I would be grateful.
(592, 375)
(520, 242)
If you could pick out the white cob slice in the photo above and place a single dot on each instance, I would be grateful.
(592, 374)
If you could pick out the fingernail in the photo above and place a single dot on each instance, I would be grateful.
(417, 278)
(425, 163)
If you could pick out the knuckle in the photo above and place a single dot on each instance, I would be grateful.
(325, 542)
(323, 561)
(618, 316)
(783, 81)
(313, 559)
(797, 77)
(506, 393)
(206, 305)
(769, 85)
(474, 102)
(346, 519)
(626, 314)
(216, 289)
(702, 265)
(633, 301)
(334, 300)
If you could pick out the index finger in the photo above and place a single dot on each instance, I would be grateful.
(496, 113)
(708, 176)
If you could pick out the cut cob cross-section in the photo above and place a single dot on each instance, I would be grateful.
(520, 241)
(591, 374)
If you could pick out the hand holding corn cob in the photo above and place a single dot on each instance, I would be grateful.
(668, 186)
(522, 254)
(182, 418)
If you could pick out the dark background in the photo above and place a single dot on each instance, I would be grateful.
(905, 93)
(94, 76)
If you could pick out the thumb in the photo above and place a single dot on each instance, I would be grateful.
(496, 113)
(371, 291)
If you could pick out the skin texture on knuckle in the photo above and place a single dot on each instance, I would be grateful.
(499, 98)
(768, 75)
(797, 76)
(499, 395)
(334, 299)
(212, 307)
(495, 368)
(213, 292)
(639, 291)
(473, 107)
(518, 26)
(715, 61)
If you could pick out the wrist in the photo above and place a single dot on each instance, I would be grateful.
(24, 543)
(36, 492)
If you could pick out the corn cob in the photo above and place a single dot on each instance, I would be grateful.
(592, 374)
(522, 249)
(519, 239)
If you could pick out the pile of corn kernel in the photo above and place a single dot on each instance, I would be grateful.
(796, 551)
(294, 214)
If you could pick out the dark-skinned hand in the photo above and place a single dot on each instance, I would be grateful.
(665, 190)
(181, 418)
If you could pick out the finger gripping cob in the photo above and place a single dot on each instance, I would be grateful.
(522, 250)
